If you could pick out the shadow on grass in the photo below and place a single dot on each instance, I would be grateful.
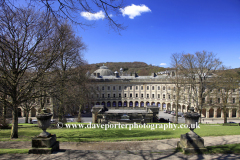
(112, 136)
(224, 149)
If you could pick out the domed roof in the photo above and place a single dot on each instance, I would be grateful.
(104, 71)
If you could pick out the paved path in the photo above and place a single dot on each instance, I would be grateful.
(157, 149)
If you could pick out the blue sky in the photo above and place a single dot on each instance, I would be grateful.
(165, 27)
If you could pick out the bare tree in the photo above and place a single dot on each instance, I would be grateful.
(71, 9)
(70, 52)
(200, 67)
(28, 49)
(177, 79)
(27, 106)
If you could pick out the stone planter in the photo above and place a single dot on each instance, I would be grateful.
(44, 143)
(44, 121)
(191, 142)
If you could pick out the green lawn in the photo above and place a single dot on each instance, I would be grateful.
(13, 151)
(26, 131)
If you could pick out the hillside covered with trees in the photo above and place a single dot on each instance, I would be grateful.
(141, 68)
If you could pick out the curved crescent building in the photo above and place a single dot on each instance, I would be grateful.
(112, 89)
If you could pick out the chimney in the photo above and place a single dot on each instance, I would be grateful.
(135, 74)
(116, 73)
(154, 75)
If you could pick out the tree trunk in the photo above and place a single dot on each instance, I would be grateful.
(225, 114)
(60, 112)
(14, 131)
(79, 113)
(4, 113)
(26, 118)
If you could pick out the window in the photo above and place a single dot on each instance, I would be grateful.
(120, 88)
(125, 87)
(158, 87)
(147, 87)
(233, 100)
(125, 95)
(130, 87)
(114, 95)
(109, 87)
(119, 95)
(158, 95)
(97, 95)
(203, 100)
(163, 87)
(218, 100)
(163, 96)
(169, 88)
(147, 95)
(152, 87)
(102, 95)
(169, 96)
(136, 87)
(218, 90)
(97, 88)
(48, 100)
(210, 101)
(141, 87)
(113, 87)
(130, 94)
(174, 96)
(233, 90)
(103, 88)
(152, 95)
(210, 90)
(136, 95)
(142, 95)
(108, 95)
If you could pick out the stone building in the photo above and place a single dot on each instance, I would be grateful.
(111, 89)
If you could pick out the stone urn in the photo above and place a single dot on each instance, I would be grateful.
(44, 121)
(191, 120)
(191, 142)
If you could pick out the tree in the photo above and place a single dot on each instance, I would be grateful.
(28, 48)
(199, 67)
(27, 106)
(177, 79)
(71, 58)
(226, 85)
(70, 10)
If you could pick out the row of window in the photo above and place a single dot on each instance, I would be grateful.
(131, 88)
(136, 95)
(148, 88)
(218, 100)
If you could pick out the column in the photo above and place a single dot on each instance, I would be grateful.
(230, 113)
(237, 113)
(207, 113)
(215, 112)
(222, 114)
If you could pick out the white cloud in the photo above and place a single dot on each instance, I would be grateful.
(93, 16)
(133, 10)
(163, 64)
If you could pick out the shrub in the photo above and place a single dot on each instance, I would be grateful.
(4, 125)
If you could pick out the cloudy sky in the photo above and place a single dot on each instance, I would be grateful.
(156, 29)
